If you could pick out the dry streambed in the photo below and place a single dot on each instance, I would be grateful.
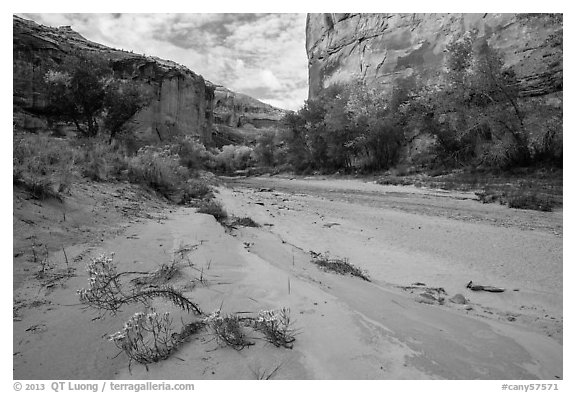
(400, 323)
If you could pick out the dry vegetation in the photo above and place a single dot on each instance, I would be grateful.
(337, 265)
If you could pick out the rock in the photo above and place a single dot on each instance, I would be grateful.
(238, 110)
(458, 299)
(183, 100)
(428, 298)
(487, 288)
(185, 103)
(385, 47)
(382, 49)
(425, 299)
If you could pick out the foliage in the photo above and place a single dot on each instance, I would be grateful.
(276, 327)
(232, 158)
(340, 266)
(215, 209)
(530, 201)
(76, 92)
(193, 154)
(43, 165)
(107, 292)
(82, 90)
(473, 110)
(123, 99)
(228, 330)
(149, 338)
(103, 160)
(158, 168)
(265, 149)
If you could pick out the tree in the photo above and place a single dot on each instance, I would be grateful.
(377, 121)
(474, 111)
(76, 92)
(265, 148)
(122, 101)
(294, 137)
(83, 90)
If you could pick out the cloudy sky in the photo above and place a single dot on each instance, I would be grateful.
(262, 55)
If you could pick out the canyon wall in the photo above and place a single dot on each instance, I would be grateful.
(183, 102)
(385, 47)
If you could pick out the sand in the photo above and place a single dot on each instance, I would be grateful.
(348, 328)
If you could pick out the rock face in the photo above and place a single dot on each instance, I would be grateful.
(237, 110)
(385, 47)
(183, 101)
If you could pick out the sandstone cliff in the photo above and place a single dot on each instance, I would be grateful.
(184, 102)
(384, 47)
(237, 110)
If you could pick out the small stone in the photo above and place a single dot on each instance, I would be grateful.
(458, 299)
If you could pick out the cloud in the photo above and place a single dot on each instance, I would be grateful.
(262, 55)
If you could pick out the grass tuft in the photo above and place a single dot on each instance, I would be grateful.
(340, 266)
(215, 209)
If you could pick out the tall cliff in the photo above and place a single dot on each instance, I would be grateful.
(183, 101)
(385, 47)
(181, 104)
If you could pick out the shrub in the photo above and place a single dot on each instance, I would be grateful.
(193, 154)
(228, 330)
(214, 209)
(276, 327)
(158, 169)
(232, 158)
(42, 165)
(107, 293)
(196, 189)
(340, 266)
(265, 149)
(104, 160)
(244, 222)
(530, 201)
(149, 338)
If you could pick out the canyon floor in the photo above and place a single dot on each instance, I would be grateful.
(408, 240)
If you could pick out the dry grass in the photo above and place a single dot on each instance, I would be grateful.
(215, 209)
(243, 222)
(340, 266)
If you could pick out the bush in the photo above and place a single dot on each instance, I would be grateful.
(193, 154)
(158, 169)
(340, 266)
(530, 201)
(265, 149)
(232, 158)
(196, 189)
(214, 209)
(104, 160)
(42, 165)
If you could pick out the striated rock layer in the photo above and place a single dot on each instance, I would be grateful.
(385, 47)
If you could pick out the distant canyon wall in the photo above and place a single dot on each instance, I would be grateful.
(238, 110)
(385, 47)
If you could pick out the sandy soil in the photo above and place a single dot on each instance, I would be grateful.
(348, 328)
